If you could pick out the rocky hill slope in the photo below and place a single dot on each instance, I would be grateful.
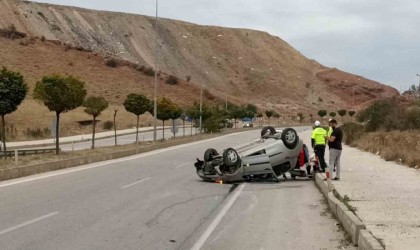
(240, 65)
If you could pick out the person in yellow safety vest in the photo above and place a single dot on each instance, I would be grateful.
(318, 142)
(330, 129)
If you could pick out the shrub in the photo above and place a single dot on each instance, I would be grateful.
(140, 68)
(11, 33)
(172, 80)
(38, 133)
(188, 78)
(43, 39)
(352, 132)
(385, 114)
(111, 62)
(149, 71)
(108, 125)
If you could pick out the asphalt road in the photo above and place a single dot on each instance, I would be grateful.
(156, 201)
(126, 139)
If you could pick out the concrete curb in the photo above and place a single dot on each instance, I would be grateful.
(368, 242)
(352, 224)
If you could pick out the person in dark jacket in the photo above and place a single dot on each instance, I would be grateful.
(334, 143)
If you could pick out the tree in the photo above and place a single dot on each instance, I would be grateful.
(115, 126)
(351, 114)
(236, 113)
(322, 113)
(269, 114)
(342, 113)
(300, 116)
(60, 94)
(13, 90)
(260, 117)
(332, 114)
(193, 113)
(175, 114)
(138, 105)
(94, 105)
(165, 108)
(277, 116)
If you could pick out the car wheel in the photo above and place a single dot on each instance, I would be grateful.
(290, 138)
(209, 154)
(230, 157)
(265, 130)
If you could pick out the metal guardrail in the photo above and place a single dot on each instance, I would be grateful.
(23, 152)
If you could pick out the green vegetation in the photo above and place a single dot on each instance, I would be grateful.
(172, 80)
(94, 105)
(11, 33)
(60, 94)
(269, 114)
(108, 125)
(322, 113)
(13, 90)
(342, 113)
(351, 114)
(111, 62)
(300, 116)
(387, 128)
(149, 71)
(138, 105)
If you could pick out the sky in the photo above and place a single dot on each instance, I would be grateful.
(378, 39)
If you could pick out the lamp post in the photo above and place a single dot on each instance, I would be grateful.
(201, 107)
(156, 75)
(418, 88)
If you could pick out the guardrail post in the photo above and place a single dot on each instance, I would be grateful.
(16, 157)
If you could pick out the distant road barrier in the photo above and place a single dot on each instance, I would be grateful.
(31, 151)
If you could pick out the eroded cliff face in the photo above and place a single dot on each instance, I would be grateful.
(241, 65)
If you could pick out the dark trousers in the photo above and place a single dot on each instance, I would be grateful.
(320, 153)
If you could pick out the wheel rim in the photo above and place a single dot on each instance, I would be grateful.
(231, 155)
(290, 137)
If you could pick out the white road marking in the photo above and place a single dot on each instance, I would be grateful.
(103, 163)
(200, 242)
(27, 223)
(137, 182)
(183, 165)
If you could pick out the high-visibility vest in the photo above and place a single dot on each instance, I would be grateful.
(318, 135)
(330, 130)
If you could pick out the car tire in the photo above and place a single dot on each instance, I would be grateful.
(230, 157)
(209, 154)
(290, 138)
(266, 129)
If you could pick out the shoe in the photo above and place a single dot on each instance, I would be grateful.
(336, 179)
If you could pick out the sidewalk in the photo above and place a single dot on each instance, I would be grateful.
(385, 194)
(78, 138)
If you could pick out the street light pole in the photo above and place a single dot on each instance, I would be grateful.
(156, 75)
(201, 107)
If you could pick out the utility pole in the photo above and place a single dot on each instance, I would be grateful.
(156, 76)
(418, 88)
(201, 107)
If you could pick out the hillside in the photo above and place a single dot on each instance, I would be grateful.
(240, 65)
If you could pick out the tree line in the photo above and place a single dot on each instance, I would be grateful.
(61, 94)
